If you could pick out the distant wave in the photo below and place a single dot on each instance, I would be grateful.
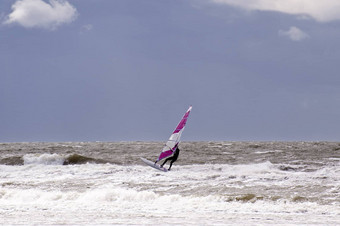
(50, 159)
(79, 159)
(13, 161)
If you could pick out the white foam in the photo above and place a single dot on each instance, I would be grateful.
(44, 159)
(268, 152)
(192, 194)
(114, 202)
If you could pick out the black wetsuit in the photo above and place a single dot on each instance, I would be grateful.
(172, 158)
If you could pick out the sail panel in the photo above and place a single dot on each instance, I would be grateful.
(183, 122)
(165, 154)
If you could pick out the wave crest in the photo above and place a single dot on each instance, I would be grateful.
(43, 159)
(79, 159)
(50, 159)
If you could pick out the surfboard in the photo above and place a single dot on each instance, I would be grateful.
(153, 165)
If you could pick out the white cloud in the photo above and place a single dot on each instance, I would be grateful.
(294, 34)
(85, 29)
(319, 10)
(88, 27)
(40, 14)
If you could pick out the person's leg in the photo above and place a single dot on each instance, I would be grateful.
(164, 162)
(171, 158)
(172, 161)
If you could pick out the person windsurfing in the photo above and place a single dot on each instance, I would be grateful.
(171, 151)
(173, 158)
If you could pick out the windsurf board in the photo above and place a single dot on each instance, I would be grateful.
(153, 165)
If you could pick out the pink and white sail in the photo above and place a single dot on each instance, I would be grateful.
(172, 144)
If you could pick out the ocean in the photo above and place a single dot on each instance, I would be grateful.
(212, 183)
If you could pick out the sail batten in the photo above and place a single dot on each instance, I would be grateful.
(173, 141)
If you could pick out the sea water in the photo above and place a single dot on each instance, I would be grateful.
(212, 183)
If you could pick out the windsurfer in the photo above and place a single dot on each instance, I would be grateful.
(172, 158)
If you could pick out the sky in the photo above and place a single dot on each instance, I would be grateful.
(127, 70)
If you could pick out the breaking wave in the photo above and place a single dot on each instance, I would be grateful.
(99, 195)
(13, 161)
(50, 159)
(43, 159)
(130, 198)
(79, 159)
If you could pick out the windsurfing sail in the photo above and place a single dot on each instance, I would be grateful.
(172, 143)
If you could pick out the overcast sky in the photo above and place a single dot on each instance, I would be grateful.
(103, 70)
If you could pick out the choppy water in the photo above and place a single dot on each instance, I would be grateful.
(211, 183)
